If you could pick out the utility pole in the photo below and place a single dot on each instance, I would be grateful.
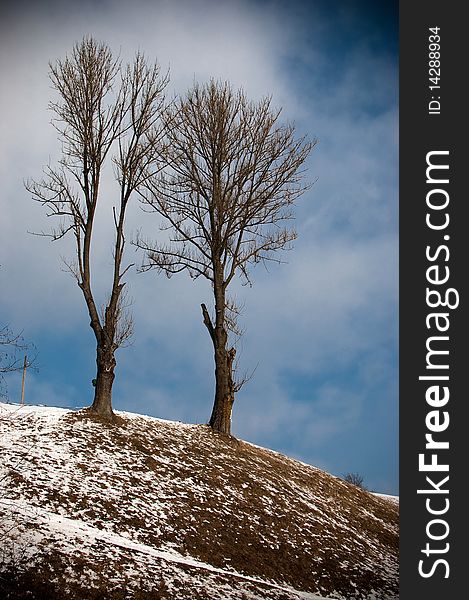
(25, 364)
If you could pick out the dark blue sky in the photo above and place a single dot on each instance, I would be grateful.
(322, 328)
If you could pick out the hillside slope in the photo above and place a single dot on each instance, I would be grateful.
(147, 508)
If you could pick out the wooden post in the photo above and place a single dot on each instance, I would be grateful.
(24, 377)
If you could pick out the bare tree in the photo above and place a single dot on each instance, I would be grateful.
(105, 112)
(13, 357)
(233, 173)
(355, 479)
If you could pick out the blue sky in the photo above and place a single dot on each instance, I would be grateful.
(321, 328)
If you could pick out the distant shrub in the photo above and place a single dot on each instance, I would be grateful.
(355, 479)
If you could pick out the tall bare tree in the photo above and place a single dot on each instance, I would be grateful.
(233, 172)
(105, 112)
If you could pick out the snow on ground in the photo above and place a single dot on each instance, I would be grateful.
(169, 502)
(76, 537)
(389, 497)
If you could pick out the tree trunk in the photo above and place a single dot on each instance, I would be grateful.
(102, 403)
(220, 419)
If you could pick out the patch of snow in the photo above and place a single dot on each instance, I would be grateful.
(389, 497)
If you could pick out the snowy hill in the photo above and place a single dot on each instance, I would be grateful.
(146, 508)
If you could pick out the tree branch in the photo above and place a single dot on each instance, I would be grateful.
(208, 322)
